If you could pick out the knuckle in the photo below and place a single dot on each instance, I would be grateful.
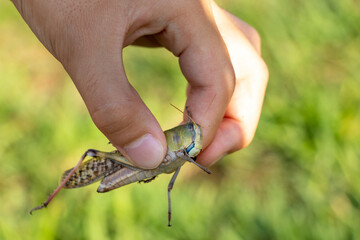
(254, 36)
(258, 70)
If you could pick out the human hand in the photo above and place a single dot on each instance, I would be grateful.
(87, 37)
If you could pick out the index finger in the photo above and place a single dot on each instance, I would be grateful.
(206, 65)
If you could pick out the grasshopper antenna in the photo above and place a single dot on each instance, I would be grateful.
(187, 114)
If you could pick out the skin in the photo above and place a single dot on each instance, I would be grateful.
(218, 53)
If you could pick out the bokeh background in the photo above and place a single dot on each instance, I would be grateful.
(299, 179)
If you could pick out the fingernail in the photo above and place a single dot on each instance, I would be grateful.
(145, 152)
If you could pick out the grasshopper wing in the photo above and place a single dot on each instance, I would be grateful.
(100, 165)
(91, 171)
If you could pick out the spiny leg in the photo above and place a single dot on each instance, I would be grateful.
(171, 184)
(90, 153)
(189, 159)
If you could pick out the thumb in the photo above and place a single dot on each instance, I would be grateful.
(116, 108)
(87, 38)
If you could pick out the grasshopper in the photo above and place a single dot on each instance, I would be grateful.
(184, 144)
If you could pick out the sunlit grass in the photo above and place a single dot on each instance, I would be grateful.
(299, 179)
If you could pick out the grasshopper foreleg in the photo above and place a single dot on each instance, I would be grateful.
(171, 184)
(90, 153)
(181, 154)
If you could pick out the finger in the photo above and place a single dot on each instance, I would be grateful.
(114, 105)
(205, 63)
(228, 138)
(242, 115)
(211, 80)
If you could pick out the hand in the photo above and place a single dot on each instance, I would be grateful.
(87, 37)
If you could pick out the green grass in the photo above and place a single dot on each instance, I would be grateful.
(299, 179)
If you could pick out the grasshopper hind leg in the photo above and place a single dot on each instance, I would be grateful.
(90, 153)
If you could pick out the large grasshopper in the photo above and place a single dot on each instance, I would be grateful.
(184, 144)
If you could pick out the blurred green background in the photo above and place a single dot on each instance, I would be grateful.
(299, 179)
